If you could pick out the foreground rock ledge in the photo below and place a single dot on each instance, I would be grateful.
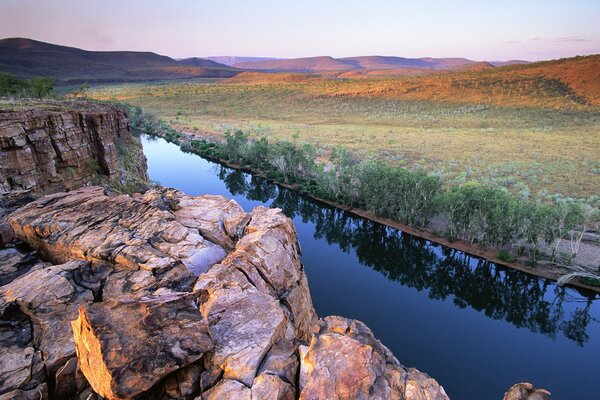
(176, 297)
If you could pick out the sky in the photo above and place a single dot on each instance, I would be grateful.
(480, 30)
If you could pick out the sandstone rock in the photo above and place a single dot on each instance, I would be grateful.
(247, 296)
(267, 386)
(38, 393)
(526, 391)
(132, 233)
(218, 219)
(244, 325)
(345, 361)
(228, 389)
(17, 353)
(184, 382)
(282, 361)
(56, 146)
(126, 347)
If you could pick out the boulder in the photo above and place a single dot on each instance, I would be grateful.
(345, 361)
(126, 347)
(526, 391)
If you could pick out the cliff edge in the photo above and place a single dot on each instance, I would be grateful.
(49, 146)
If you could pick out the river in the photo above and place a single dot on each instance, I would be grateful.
(475, 327)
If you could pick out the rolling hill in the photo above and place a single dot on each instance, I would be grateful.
(26, 58)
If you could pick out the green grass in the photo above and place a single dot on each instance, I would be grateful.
(531, 150)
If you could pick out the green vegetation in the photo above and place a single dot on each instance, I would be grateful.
(477, 213)
(34, 87)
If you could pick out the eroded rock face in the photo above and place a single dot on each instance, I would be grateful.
(172, 296)
(55, 146)
(345, 361)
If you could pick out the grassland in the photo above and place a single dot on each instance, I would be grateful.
(533, 129)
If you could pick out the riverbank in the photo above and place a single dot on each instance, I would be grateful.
(542, 268)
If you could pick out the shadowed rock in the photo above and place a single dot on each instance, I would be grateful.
(40, 305)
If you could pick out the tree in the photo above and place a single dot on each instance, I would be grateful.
(41, 87)
(11, 86)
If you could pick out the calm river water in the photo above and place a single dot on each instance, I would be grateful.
(475, 327)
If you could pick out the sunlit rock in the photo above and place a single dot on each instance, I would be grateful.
(345, 361)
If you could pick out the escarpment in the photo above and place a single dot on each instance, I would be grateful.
(51, 146)
(168, 296)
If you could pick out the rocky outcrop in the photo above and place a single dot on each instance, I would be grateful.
(526, 391)
(172, 296)
(51, 146)
(345, 361)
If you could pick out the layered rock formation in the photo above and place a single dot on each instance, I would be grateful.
(50, 146)
(167, 296)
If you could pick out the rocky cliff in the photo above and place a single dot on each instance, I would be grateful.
(51, 146)
(167, 296)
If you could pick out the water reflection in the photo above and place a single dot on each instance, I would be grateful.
(502, 294)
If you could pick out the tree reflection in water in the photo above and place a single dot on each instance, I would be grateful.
(521, 299)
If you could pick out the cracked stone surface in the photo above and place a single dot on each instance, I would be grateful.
(168, 296)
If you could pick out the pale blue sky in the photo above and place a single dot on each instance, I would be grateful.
(480, 30)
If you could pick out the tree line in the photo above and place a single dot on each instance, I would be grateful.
(477, 213)
(34, 87)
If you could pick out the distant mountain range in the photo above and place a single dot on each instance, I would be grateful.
(372, 63)
(68, 65)
(233, 60)
(203, 62)
(27, 58)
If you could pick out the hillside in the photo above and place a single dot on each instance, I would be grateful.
(560, 83)
(27, 58)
